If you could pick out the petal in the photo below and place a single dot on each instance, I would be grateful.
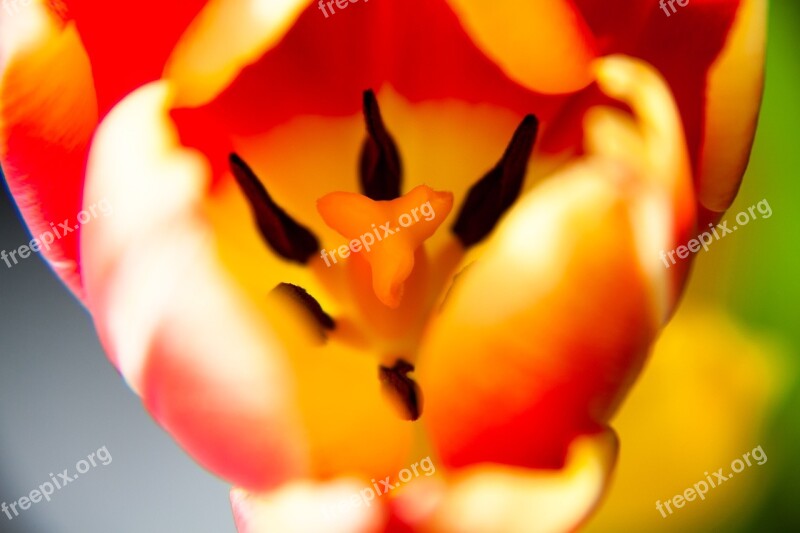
(496, 499)
(47, 116)
(733, 94)
(544, 45)
(554, 318)
(128, 45)
(423, 54)
(221, 390)
(665, 205)
(238, 380)
(201, 67)
(303, 507)
(480, 499)
(683, 47)
(542, 333)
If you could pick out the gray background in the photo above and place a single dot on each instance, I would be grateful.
(60, 400)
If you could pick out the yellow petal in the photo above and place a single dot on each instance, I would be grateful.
(225, 37)
(733, 97)
(496, 499)
(654, 147)
(544, 45)
(547, 326)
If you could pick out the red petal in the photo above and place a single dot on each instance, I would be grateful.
(47, 116)
(417, 46)
(128, 44)
(682, 46)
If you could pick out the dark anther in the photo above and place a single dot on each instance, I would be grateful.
(301, 296)
(287, 237)
(380, 168)
(498, 189)
(399, 386)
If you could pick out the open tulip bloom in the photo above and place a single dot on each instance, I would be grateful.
(345, 241)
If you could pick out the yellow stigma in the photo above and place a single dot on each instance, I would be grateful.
(385, 233)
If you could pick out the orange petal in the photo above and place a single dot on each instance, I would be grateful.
(544, 45)
(540, 337)
(498, 499)
(226, 36)
(47, 115)
(653, 145)
(733, 94)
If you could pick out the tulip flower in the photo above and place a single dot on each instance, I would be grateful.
(560, 146)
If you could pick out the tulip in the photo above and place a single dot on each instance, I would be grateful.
(561, 146)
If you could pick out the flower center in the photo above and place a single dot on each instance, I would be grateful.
(385, 233)
(380, 280)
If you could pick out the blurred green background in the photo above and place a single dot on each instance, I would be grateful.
(757, 275)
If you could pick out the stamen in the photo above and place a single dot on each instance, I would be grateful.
(380, 167)
(285, 236)
(301, 296)
(498, 189)
(402, 388)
